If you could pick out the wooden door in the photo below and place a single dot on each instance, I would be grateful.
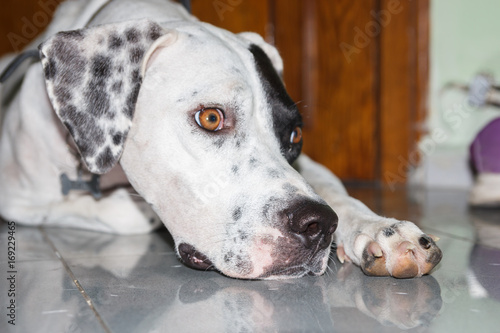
(357, 69)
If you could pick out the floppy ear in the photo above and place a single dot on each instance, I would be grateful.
(93, 77)
(270, 50)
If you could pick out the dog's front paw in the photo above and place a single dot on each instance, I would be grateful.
(392, 248)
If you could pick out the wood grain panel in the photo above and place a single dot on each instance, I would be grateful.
(22, 21)
(235, 15)
(403, 87)
(289, 32)
(343, 134)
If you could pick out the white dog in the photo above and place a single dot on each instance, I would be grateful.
(196, 120)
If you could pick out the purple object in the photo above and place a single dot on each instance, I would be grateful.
(485, 149)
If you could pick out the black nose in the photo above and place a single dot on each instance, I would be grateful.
(313, 223)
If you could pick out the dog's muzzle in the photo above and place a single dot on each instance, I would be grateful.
(306, 230)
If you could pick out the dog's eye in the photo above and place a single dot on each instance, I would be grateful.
(296, 135)
(211, 119)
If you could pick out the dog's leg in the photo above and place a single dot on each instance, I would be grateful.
(380, 246)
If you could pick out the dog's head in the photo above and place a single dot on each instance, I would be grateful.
(203, 127)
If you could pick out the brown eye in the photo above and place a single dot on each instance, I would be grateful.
(296, 135)
(210, 119)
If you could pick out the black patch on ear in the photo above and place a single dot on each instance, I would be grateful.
(63, 95)
(117, 87)
(105, 158)
(136, 55)
(115, 42)
(154, 32)
(117, 139)
(285, 114)
(101, 66)
(72, 34)
(136, 81)
(50, 69)
(132, 35)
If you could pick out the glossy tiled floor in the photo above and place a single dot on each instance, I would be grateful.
(77, 281)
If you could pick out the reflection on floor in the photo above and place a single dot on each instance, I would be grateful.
(77, 281)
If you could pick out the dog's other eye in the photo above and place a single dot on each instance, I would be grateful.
(296, 135)
(211, 119)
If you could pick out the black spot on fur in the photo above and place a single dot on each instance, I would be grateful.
(243, 234)
(154, 32)
(290, 189)
(105, 159)
(229, 256)
(50, 69)
(237, 213)
(86, 148)
(253, 162)
(235, 169)
(69, 113)
(117, 139)
(73, 34)
(274, 173)
(425, 242)
(131, 100)
(117, 87)
(115, 42)
(69, 128)
(136, 55)
(98, 102)
(63, 95)
(132, 35)
(368, 259)
(219, 142)
(136, 76)
(388, 232)
(64, 51)
(101, 67)
(435, 256)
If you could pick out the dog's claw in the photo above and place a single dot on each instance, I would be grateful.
(433, 237)
(341, 255)
(375, 250)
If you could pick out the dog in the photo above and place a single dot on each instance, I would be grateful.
(176, 121)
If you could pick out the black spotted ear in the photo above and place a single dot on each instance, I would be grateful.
(93, 77)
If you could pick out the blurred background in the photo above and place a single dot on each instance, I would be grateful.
(372, 78)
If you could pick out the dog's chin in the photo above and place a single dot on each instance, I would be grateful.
(192, 258)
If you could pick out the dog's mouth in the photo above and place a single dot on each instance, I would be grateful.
(194, 259)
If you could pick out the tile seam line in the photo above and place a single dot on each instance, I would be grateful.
(84, 294)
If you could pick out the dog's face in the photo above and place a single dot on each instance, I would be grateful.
(205, 132)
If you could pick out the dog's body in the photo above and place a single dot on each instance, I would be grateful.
(204, 132)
